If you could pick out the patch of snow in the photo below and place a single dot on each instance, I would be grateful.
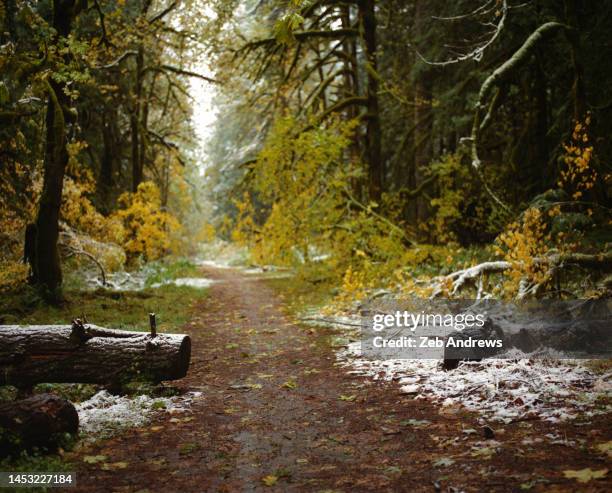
(213, 263)
(193, 282)
(502, 389)
(105, 414)
(267, 272)
(520, 386)
(119, 281)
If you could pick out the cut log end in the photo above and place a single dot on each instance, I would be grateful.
(182, 359)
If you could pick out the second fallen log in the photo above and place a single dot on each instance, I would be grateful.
(40, 421)
(32, 354)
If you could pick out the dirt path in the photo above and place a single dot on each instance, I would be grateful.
(277, 415)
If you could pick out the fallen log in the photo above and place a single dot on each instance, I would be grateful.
(573, 328)
(80, 353)
(40, 421)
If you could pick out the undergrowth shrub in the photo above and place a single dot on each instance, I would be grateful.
(150, 232)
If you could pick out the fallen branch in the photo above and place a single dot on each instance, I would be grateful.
(554, 262)
(329, 321)
(383, 219)
(75, 251)
(461, 277)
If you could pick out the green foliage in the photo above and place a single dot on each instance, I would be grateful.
(461, 210)
(168, 269)
(299, 182)
(119, 310)
(75, 393)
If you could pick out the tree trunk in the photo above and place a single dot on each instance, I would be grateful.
(64, 354)
(367, 17)
(422, 122)
(135, 122)
(107, 161)
(39, 421)
(573, 36)
(351, 88)
(47, 270)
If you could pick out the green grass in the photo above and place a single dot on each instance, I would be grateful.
(35, 463)
(118, 310)
(164, 271)
(301, 292)
(128, 310)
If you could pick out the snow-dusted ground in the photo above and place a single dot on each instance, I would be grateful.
(510, 388)
(502, 390)
(213, 263)
(118, 281)
(192, 282)
(105, 414)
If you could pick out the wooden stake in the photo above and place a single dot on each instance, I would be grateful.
(153, 324)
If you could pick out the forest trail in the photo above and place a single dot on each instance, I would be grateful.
(276, 414)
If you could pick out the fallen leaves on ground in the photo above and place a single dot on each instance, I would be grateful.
(269, 480)
(289, 384)
(113, 466)
(93, 459)
(585, 475)
(443, 462)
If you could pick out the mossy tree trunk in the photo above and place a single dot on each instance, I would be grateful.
(46, 268)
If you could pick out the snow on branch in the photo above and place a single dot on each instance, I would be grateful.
(457, 280)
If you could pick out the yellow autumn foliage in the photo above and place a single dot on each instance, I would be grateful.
(298, 187)
(522, 244)
(150, 232)
(578, 176)
(79, 213)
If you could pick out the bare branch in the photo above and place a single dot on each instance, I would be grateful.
(107, 42)
(117, 61)
(163, 13)
(503, 73)
(301, 36)
(477, 53)
(180, 71)
(479, 10)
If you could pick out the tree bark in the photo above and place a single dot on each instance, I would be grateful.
(47, 270)
(107, 161)
(423, 122)
(64, 354)
(39, 421)
(351, 87)
(376, 173)
(135, 121)
(573, 36)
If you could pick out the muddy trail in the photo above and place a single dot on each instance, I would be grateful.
(277, 414)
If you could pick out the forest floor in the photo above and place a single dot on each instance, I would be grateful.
(278, 414)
